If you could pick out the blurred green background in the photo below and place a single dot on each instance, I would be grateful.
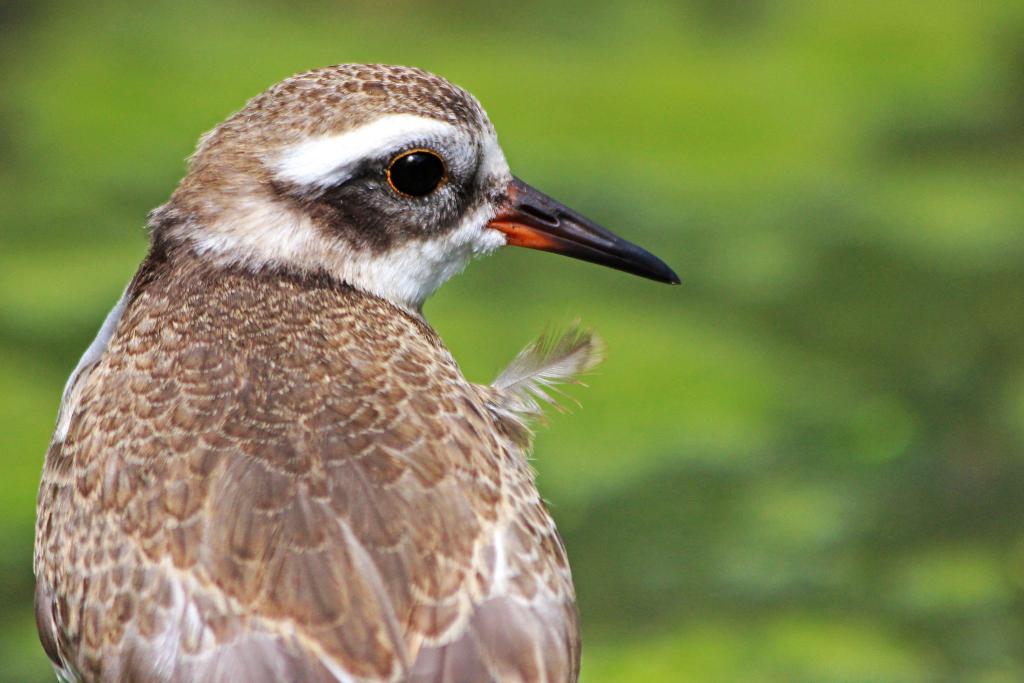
(805, 464)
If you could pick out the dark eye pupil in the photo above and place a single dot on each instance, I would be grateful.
(416, 173)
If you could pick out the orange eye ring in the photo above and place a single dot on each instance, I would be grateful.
(420, 172)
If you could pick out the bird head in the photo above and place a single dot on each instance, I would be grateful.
(388, 178)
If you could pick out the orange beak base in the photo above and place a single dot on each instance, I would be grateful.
(531, 219)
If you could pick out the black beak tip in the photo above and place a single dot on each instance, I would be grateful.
(668, 276)
(658, 270)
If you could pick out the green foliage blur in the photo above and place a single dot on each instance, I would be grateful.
(804, 464)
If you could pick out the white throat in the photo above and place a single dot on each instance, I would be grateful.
(262, 233)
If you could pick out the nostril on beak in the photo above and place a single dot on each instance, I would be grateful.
(539, 214)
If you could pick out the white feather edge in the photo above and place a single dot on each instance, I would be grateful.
(93, 352)
(531, 380)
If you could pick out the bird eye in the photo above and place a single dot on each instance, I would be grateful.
(416, 173)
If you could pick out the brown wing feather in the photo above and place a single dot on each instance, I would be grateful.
(270, 478)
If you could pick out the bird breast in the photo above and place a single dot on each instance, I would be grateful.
(260, 455)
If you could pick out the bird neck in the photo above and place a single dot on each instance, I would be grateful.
(179, 275)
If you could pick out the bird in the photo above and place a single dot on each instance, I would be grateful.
(267, 466)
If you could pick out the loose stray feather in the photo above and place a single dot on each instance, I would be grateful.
(531, 380)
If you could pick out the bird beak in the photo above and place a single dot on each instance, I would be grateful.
(529, 218)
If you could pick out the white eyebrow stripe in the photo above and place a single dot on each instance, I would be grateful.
(329, 160)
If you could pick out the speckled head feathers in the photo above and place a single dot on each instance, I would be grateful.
(299, 178)
(334, 99)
